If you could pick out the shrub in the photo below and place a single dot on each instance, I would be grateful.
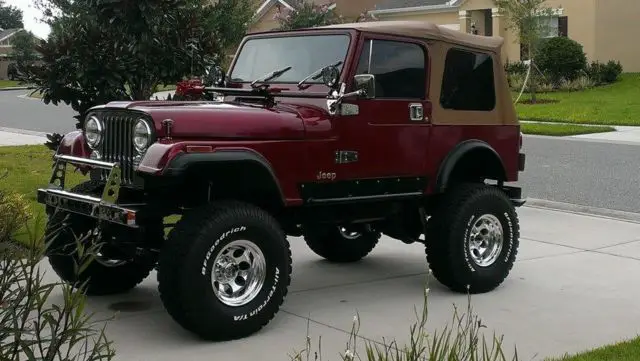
(561, 58)
(581, 83)
(31, 326)
(517, 67)
(604, 73)
(14, 212)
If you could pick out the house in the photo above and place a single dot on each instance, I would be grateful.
(605, 28)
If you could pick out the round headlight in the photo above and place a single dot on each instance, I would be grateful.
(141, 135)
(93, 131)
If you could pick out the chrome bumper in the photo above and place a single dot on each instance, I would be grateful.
(105, 208)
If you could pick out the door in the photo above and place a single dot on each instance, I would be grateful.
(388, 136)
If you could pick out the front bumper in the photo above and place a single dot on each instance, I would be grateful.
(105, 208)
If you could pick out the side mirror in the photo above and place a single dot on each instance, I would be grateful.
(214, 76)
(366, 83)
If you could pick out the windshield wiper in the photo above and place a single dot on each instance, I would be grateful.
(316, 74)
(269, 76)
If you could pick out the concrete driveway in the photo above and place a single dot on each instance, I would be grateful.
(574, 287)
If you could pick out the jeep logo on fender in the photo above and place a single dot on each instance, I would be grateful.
(326, 175)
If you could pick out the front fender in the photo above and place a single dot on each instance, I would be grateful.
(73, 144)
(177, 159)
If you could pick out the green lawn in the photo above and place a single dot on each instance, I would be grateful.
(561, 130)
(622, 351)
(613, 104)
(29, 167)
(9, 83)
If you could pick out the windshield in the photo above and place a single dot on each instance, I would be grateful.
(305, 54)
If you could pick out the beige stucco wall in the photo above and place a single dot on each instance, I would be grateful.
(617, 35)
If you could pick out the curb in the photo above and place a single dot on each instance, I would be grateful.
(583, 210)
(17, 88)
(23, 131)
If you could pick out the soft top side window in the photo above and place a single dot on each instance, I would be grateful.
(399, 68)
(468, 81)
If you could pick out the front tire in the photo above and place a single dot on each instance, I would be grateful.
(473, 239)
(107, 274)
(341, 245)
(225, 270)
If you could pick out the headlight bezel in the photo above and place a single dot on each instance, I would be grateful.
(100, 132)
(149, 135)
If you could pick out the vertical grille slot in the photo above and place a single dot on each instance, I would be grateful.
(117, 145)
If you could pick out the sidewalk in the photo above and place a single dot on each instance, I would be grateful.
(571, 289)
(10, 136)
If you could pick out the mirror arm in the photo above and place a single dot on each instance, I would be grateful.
(340, 98)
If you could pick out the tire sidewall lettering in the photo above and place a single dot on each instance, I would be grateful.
(263, 304)
(466, 234)
(506, 222)
(271, 284)
(207, 258)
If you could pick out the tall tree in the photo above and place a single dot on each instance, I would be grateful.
(23, 48)
(528, 19)
(104, 50)
(10, 16)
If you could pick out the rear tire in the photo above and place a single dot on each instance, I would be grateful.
(213, 249)
(473, 238)
(105, 276)
(340, 245)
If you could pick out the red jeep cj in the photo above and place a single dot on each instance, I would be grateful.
(338, 134)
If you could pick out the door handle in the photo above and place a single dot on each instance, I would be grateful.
(416, 112)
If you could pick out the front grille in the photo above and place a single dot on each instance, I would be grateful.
(117, 144)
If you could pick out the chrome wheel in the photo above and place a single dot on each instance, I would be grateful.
(238, 273)
(485, 240)
(103, 259)
(348, 234)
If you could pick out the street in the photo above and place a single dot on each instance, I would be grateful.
(574, 171)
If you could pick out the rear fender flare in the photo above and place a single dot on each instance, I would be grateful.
(458, 153)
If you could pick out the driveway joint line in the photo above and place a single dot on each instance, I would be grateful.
(335, 328)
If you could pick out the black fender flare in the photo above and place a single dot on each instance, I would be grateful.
(178, 166)
(456, 154)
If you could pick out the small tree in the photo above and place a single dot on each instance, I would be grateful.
(526, 18)
(23, 49)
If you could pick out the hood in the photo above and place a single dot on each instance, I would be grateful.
(229, 120)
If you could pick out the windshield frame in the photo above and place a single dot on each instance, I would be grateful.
(295, 33)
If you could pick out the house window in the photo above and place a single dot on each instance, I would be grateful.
(399, 68)
(553, 26)
(468, 82)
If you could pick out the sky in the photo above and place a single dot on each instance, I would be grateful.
(30, 17)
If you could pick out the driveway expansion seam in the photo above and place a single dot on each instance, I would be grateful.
(593, 250)
(309, 320)
(611, 214)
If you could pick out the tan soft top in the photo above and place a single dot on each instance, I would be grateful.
(423, 29)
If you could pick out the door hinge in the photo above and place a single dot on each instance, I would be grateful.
(346, 156)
